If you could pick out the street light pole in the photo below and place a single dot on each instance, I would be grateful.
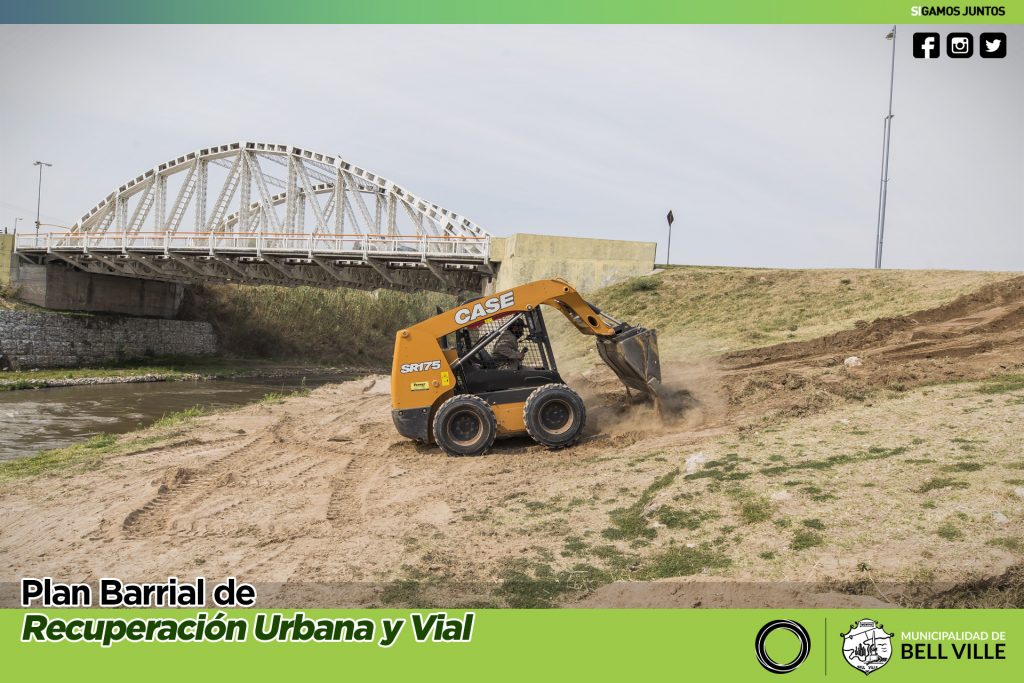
(883, 189)
(39, 194)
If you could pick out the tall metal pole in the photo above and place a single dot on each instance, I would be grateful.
(39, 194)
(668, 250)
(883, 190)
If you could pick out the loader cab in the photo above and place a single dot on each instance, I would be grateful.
(486, 374)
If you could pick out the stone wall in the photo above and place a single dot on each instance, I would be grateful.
(40, 340)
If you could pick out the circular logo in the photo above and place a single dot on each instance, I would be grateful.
(793, 627)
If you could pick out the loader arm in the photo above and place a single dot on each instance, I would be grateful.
(422, 371)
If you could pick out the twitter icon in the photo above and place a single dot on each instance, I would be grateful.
(993, 45)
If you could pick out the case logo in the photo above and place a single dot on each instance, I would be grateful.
(488, 307)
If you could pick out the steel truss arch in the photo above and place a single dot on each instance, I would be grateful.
(259, 178)
(263, 213)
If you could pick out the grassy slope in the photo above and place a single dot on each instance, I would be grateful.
(703, 311)
(334, 325)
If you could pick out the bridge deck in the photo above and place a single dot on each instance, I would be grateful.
(366, 261)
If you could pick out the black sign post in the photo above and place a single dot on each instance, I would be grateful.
(668, 253)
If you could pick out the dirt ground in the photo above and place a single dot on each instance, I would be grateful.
(792, 478)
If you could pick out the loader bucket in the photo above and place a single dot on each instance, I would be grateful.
(633, 355)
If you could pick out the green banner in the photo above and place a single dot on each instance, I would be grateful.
(570, 645)
(520, 11)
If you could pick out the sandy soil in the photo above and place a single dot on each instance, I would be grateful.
(319, 501)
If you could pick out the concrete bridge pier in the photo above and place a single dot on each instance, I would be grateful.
(60, 287)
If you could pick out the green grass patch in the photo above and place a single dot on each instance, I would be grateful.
(526, 585)
(873, 453)
(402, 593)
(806, 539)
(1002, 385)
(936, 483)
(817, 494)
(629, 523)
(949, 531)
(180, 417)
(574, 545)
(756, 509)
(683, 519)
(642, 284)
(682, 561)
(276, 398)
(965, 466)
(813, 523)
(16, 385)
(80, 456)
(721, 469)
(1007, 542)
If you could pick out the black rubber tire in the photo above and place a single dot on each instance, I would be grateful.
(465, 425)
(555, 416)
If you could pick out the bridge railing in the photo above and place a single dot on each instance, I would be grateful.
(248, 243)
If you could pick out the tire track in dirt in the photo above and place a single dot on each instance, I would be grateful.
(181, 486)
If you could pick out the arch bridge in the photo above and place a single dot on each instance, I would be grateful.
(261, 213)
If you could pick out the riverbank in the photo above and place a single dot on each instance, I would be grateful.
(171, 370)
(60, 417)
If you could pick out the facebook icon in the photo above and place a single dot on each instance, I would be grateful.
(926, 45)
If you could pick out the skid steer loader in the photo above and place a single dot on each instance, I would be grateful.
(451, 386)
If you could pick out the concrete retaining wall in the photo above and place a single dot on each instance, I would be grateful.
(65, 289)
(6, 259)
(587, 264)
(41, 340)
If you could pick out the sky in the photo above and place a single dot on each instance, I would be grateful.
(765, 141)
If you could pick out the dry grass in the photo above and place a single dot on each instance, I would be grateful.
(9, 303)
(703, 311)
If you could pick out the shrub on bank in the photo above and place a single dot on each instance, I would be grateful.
(342, 326)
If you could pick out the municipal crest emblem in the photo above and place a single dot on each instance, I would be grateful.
(866, 646)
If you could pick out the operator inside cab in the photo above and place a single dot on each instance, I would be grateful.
(506, 351)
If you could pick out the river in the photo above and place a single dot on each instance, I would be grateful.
(33, 420)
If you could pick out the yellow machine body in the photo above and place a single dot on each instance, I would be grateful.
(426, 368)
